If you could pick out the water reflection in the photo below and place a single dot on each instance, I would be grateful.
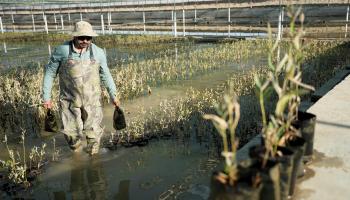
(123, 191)
(88, 179)
(49, 47)
(5, 48)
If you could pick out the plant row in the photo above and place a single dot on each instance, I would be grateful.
(20, 88)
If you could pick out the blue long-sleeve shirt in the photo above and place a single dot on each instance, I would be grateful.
(61, 54)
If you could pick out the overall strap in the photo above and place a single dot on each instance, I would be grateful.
(70, 57)
(92, 58)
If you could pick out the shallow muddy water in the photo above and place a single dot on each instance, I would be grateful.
(14, 54)
(164, 169)
(129, 173)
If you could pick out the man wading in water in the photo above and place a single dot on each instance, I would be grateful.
(81, 66)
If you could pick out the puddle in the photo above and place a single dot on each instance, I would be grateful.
(321, 160)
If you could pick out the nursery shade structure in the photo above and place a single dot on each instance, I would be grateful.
(225, 18)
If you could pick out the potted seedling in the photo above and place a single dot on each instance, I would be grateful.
(233, 182)
(285, 79)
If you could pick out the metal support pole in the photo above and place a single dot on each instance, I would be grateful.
(109, 22)
(172, 19)
(33, 22)
(13, 23)
(282, 22)
(144, 21)
(62, 24)
(46, 28)
(174, 24)
(279, 25)
(347, 19)
(81, 17)
(69, 17)
(183, 23)
(102, 25)
(55, 20)
(2, 28)
(195, 15)
(229, 15)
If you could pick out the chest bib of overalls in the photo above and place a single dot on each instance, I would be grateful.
(80, 80)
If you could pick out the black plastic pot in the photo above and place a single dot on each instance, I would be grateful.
(244, 188)
(286, 163)
(51, 121)
(270, 173)
(306, 122)
(297, 144)
(286, 168)
(119, 122)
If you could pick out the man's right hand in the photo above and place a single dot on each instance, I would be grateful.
(47, 104)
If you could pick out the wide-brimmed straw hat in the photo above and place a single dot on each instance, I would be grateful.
(83, 28)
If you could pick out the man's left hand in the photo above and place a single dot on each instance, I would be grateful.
(116, 102)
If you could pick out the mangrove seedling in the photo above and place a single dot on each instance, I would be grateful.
(229, 114)
(285, 78)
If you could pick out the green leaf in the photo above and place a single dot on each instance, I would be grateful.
(281, 63)
(270, 63)
(217, 121)
(268, 91)
(257, 81)
(282, 103)
(280, 132)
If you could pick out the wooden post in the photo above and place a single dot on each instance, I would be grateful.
(144, 21)
(102, 25)
(2, 28)
(183, 22)
(33, 22)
